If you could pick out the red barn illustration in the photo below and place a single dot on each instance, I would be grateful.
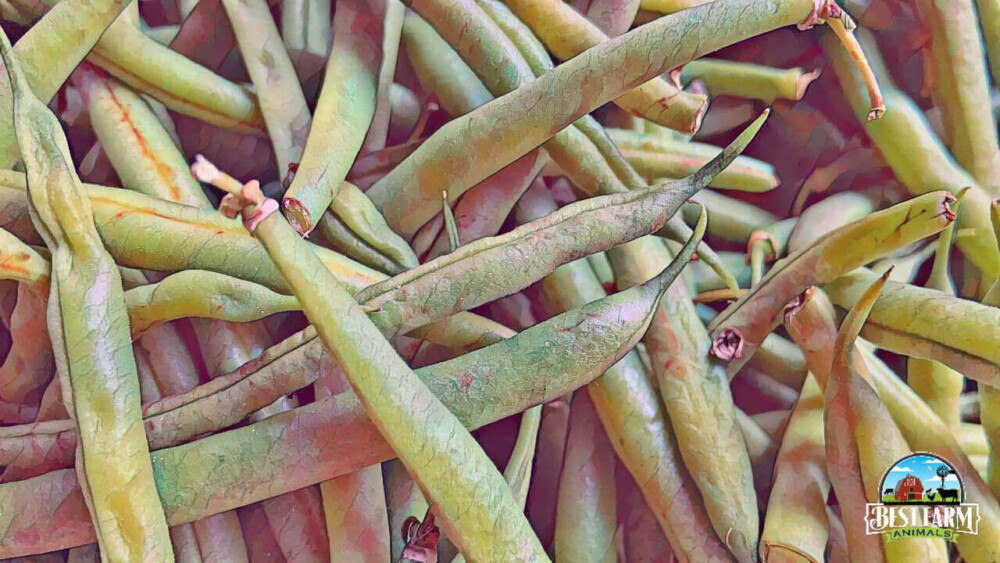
(909, 488)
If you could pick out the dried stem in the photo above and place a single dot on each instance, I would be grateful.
(843, 26)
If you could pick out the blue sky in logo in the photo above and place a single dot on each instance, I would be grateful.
(923, 467)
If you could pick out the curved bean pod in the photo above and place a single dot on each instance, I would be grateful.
(815, 319)
(617, 322)
(961, 87)
(206, 295)
(101, 388)
(567, 33)
(921, 163)
(476, 145)
(796, 526)
(585, 511)
(48, 53)
(861, 437)
(655, 157)
(698, 402)
(345, 109)
(126, 125)
(627, 404)
(579, 229)
(959, 333)
(749, 320)
(181, 84)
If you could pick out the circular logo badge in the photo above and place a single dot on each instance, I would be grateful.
(922, 478)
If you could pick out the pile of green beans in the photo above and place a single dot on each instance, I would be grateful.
(495, 280)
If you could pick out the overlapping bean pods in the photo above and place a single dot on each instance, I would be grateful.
(497, 280)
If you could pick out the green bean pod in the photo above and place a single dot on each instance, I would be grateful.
(182, 85)
(937, 384)
(403, 500)
(644, 541)
(613, 17)
(392, 31)
(989, 22)
(796, 525)
(187, 238)
(861, 438)
(497, 61)
(524, 39)
(626, 399)
(101, 389)
(354, 210)
(738, 331)
(29, 365)
(961, 87)
(339, 237)
(702, 277)
(748, 80)
(49, 52)
(429, 439)
(828, 215)
(200, 294)
(567, 33)
(768, 242)
(585, 513)
(344, 110)
(282, 103)
(405, 107)
(486, 205)
(554, 240)
(920, 162)
(354, 226)
(698, 403)
(163, 34)
(992, 295)
(903, 269)
(921, 427)
(956, 332)
(517, 472)
(145, 155)
(476, 145)
(735, 220)
(989, 396)
(624, 390)
(21, 263)
(655, 157)
(669, 6)
(782, 360)
(440, 69)
(355, 512)
(305, 26)
(538, 59)
(138, 146)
